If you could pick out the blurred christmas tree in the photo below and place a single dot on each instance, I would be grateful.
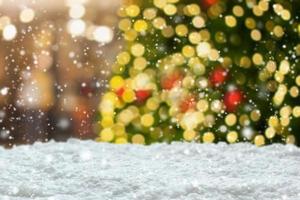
(205, 71)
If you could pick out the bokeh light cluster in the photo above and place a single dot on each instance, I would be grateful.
(205, 71)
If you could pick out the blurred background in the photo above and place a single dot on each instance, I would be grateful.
(54, 62)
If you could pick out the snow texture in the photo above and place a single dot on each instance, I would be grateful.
(86, 170)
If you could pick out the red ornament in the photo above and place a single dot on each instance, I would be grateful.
(142, 95)
(120, 91)
(218, 76)
(170, 81)
(207, 3)
(232, 100)
(188, 104)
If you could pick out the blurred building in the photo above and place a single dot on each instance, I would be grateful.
(55, 58)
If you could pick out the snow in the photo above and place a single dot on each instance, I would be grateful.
(87, 170)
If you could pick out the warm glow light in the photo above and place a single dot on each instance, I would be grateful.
(203, 49)
(77, 11)
(27, 15)
(76, 27)
(103, 34)
(4, 91)
(4, 20)
(9, 32)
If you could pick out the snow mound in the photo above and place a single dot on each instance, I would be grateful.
(86, 170)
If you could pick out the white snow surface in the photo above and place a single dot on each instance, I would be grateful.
(86, 170)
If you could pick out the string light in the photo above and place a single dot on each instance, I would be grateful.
(9, 32)
(103, 34)
(76, 27)
(27, 15)
(76, 11)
